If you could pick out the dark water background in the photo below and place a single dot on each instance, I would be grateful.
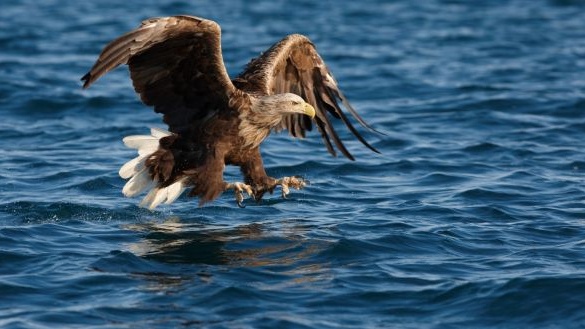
(473, 217)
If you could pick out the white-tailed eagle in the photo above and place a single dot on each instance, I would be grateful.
(176, 66)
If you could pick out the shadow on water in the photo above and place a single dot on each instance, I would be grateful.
(281, 243)
(175, 254)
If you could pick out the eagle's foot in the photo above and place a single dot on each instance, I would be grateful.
(239, 189)
(295, 182)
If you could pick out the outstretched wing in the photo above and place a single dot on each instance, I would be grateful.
(293, 65)
(176, 66)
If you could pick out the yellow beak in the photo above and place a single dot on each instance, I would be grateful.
(309, 110)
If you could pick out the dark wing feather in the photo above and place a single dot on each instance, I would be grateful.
(176, 66)
(293, 65)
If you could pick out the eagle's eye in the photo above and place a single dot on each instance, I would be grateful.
(295, 103)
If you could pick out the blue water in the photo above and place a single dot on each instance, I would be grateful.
(472, 217)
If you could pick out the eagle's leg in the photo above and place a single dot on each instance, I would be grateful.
(255, 176)
(239, 189)
(286, 183)
(269, 184)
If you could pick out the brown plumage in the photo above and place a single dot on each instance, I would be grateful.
(176, 66)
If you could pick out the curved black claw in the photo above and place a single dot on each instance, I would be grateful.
(240, 204)
(239, 189)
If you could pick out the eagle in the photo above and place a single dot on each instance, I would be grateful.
(176, 66)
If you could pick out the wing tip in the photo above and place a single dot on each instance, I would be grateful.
(87, 80)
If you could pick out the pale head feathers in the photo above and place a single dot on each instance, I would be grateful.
(267, 113)
(281, 104)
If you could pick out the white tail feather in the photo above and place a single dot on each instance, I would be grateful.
(158, 195)
(143, 152)
(132, 167)
(140, 179)
(140, 141)
(159, 133)
(138, 183)
(174, 191)
(147, 200)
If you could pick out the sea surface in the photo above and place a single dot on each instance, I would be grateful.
(473, 216)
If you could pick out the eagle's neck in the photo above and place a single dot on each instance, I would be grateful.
(263, 115)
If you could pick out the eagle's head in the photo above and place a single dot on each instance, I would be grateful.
(280, 105)
(268, 113)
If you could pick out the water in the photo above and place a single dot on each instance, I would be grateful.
(471, 218)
